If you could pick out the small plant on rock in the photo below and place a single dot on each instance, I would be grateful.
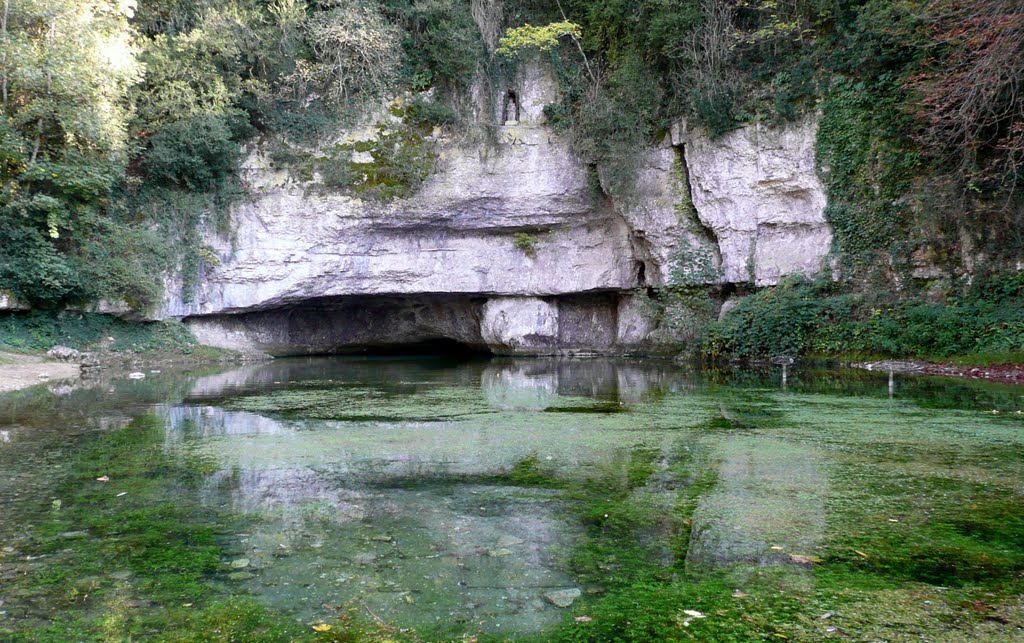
(525, 242)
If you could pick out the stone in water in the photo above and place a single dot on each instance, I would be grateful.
(562, 597)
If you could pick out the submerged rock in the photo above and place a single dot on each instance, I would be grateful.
(562, 597)
(509, 541)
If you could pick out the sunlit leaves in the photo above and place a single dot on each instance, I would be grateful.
(520, 39)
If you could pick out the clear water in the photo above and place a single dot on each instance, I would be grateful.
(507, 497)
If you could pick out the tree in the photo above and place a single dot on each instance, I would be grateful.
(65, 67)
(970, 98)
(356, 52)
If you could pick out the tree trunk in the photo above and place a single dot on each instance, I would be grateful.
(51, 36)
(3, 55)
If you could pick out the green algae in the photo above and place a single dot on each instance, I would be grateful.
(762, 509)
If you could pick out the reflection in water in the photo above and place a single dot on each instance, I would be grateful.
(768, 503)
(412, 516)
(474, 496)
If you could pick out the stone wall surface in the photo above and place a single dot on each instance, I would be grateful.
(758, 190)
(756, 207)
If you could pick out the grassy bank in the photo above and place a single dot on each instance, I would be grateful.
(976, 324)
(110, 338)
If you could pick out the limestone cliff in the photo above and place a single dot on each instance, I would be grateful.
(307, 270)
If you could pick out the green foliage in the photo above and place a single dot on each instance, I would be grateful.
(356, 52)
(808, 318)
(867, 164)
(619, 120)
(422, 113)
(41, 330)
(65, 73)
(526, 242)
(529, 38)
(197, 154)
(441, 44)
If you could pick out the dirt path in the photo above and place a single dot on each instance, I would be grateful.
(19, 371)
(1006, 373)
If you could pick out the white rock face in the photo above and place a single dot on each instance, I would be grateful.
(8, 302)
(757, 189)
(518, 325)
(454, 236)
(653, 207)
(758, 207)
(634, 325)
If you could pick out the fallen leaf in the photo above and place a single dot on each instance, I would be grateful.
(694, 614)
(103, 479)
(583, 619)
(860, 553)
(781, 635)
(739, 594)
(322, 627)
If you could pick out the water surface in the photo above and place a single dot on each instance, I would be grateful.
(432, 498)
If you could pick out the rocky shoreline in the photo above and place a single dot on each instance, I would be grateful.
(1005, 373)
(63, 364)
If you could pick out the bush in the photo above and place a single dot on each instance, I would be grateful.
(32, 268)
(194, 153)
(40, 330)
(814, 318)
(442, 46)
(422, 113)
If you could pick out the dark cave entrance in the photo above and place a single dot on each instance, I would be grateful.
(433, 347)
(449, 325)
(442, 325)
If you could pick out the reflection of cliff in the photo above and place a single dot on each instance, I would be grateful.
(523, 387)
(535, 380)
(412, 515)
(541, 380)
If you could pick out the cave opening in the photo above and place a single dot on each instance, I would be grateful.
(449, 325)
(431, 347)
(443, 325)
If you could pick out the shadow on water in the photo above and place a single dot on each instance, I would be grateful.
(505, 497)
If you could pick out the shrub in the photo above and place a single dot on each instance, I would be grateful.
(818, 318)
(524, 241)
(194, 153)
(358, 53)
